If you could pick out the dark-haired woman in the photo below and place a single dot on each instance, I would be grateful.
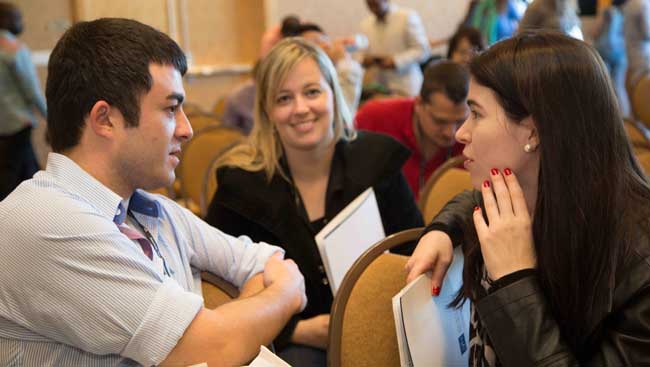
(466, 43)
(556, 238)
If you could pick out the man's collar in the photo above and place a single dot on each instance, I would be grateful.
(137, 203)
(80, 183)
(142, 204)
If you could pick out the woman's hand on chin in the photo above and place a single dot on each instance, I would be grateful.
(507, 242)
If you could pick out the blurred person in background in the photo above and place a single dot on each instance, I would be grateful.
(609, 41)
(637, 39)
(397, 44)
(466, 43)
(20, 96)
(557, 15)
(426, 124)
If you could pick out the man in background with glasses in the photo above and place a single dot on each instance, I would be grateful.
(427, 123)
(98, 272)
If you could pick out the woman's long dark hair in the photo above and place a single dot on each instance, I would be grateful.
(591, 191)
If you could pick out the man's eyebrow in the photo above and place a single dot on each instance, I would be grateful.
(473, 103)
(177, 96)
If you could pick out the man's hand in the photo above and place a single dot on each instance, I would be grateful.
(313, 332)
(284, 275)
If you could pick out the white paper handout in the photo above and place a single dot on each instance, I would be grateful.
(429, 333)
(266, 358)
(355, 229)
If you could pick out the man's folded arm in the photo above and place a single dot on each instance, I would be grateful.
(232, 333)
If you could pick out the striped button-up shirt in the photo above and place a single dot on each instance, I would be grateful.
(75, 291)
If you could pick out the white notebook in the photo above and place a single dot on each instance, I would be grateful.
(355, 229)
(429, 333)
(266, 358)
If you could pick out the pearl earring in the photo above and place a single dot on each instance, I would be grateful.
(528, 148)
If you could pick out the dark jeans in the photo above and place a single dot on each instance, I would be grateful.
(17, 160)
(303, 356)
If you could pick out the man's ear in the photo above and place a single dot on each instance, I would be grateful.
(533, 135)
(101, 119)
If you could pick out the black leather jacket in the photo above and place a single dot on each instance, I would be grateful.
(520, 323)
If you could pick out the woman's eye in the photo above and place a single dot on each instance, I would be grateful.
(475, 115)
(313, 92)
(172, 109)
(282, 99)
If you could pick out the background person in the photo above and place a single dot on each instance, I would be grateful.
(20, 96)
(425, 124)
(397, 44)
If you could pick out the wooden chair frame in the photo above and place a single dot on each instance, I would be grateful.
(348, 283)
(180, 169)
(435, 176)
(227, 287)
(640, 131)
(209, 175)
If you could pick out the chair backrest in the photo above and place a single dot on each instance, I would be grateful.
(216, 291)
(639, 100)
(362, 326)
(209, 187)
(644, 161)
(443, 184)
(191, 108)
(201, 120)
(197, 155)
(219, 107)
(637, 136)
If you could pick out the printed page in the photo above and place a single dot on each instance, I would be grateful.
(436, 335)
(266, 358)
(354, 230)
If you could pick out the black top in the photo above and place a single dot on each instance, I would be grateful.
(247, 204)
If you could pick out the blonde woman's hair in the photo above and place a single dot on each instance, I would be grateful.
(263, 149)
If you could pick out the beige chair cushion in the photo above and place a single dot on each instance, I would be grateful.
(640, 100)
(450, 183)
(197, 156)
(368, 336)
(216, 291)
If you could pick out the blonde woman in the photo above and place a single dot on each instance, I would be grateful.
(302, 165)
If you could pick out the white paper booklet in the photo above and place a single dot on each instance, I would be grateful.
(266, 358)
(355, 229)
(428, 332)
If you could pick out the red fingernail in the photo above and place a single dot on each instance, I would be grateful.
(486, 183)
(435, 291)
(507, 171)
(477, 208)
(494, 171)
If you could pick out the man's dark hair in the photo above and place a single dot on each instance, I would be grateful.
(106, 59)
(290, 26)
(309, 27)
(10, 18)
(448, 77)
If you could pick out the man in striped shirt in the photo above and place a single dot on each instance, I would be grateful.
(74, 289)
